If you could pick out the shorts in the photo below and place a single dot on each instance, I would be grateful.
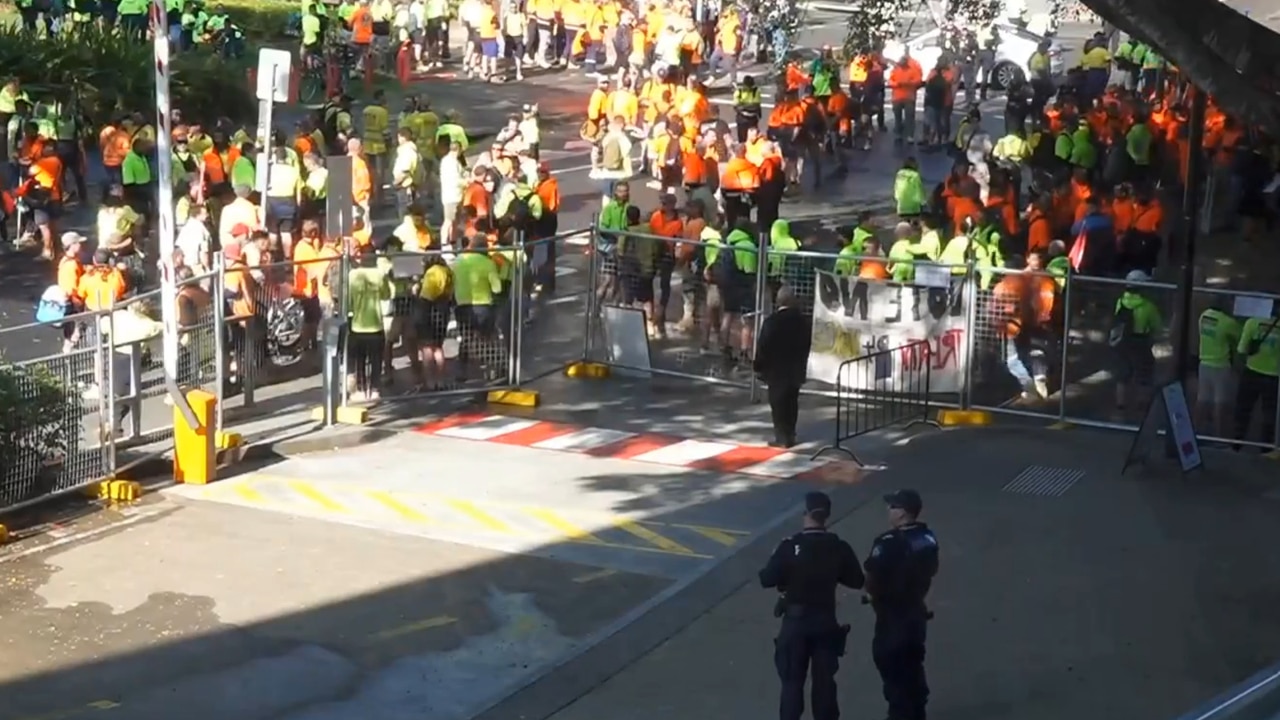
(473, 37)
(1215, 385)
(637, 288)
(514, 47)
(739, 300)
(281, 213)
(788, 148)
(431, 321)
(489, 48)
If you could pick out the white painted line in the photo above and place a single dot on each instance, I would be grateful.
(685, 452)
(488, 428)
(584, 440)
(783, 466)
(579, 238)
(574, 169)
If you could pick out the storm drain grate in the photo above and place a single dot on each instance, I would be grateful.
(1044, 481)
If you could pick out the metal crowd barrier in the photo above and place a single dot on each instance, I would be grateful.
(979, 342)
(880, 390)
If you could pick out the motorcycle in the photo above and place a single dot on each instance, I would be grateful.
(286, 327)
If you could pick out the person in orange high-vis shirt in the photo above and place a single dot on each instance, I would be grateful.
(737, 183)
(115, 143)
(1039, 227)
(905, 79)
(362, 27)
(102, 285)
(361, 180)
(873, 265)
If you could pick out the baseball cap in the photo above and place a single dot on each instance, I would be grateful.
(71, 237)
(232, 251)
(1137, 276)
(905, 499)
(239, 229)
(818, 505)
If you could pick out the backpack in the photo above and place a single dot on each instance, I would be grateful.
(52, 306)
(611, 157)
(724, 271)
(1121, 327)
(518, 212)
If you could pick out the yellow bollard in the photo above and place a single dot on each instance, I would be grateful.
(195, 456)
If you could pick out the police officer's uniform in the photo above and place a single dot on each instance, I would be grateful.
(746, 107)
(806, 568)
(899, 571)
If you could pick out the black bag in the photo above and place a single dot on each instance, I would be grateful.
(1255, 345)
(1121, 327)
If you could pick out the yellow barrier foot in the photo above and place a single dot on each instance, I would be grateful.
(344, 415)
(4, 535)
(114, 490)
(1061, 425)
(518, 398)
(593, 371)
(964, 418)
(227, 440)
(1273, 455)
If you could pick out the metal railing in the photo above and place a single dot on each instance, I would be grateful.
(1013, 342)
(1257, 698)
(879, 390)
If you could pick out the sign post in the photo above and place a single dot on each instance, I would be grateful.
(1167, 415)
(274, 68)
(165, 217)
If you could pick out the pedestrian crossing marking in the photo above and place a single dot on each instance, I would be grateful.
(433, 515)
(311, 493)
(390, 502)
(650, 536)
(568, 529)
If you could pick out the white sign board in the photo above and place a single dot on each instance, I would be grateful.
(627, 341)
(1180, 427)
(853, 317)
(1249, 306)
(274, 67)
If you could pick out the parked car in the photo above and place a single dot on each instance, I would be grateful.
(1016, 47)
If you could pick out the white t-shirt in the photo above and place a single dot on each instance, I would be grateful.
(194, 240)
(451, 179)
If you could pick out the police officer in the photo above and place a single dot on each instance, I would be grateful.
(746, 107)
(805, 569)
(900, 570)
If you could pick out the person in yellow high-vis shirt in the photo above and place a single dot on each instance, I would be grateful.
(1260, 381)
(376, 134)
(406, 171)
(1219, 335)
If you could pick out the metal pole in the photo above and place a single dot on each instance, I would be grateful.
(344, 336)
(165, 230)
(219, 338)
(1275, 439)
(1066, 344)
(108, 386)
(971, 322)
(1190, 222)
(593, 253)
(762, 288)
(513, 308)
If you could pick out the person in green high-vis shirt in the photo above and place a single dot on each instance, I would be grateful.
(1083, 154)
(901, 263)
(908, 189)
(1260, 381)
(1152, 71)
(476, 281)
(368, 289)
(1138, 143)
(133, 17)
(1219, 335)
(1136, 322)
(781, 244)
(135, 173)
(243, 171)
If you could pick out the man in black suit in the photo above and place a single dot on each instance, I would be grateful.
(782, 359)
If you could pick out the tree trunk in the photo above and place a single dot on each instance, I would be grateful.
(1234, 62)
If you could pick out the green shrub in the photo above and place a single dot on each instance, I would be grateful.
(261, 20)
(111, 75)
(38, 426)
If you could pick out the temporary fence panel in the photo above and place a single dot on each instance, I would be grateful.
(557, 293)
(1017, 324)
(1232, 403)
(855, 316)
(1110, 372)
(881, 389)
(56, 433)
(135, 341)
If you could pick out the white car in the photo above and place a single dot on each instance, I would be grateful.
(1016, 47)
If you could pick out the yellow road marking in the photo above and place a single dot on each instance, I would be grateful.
(565, 527)
(389, 501)
(103, 705)
(654, 538)
(248, 493)
(723, 537)
(597, 575)
(414, 627)
(479, 516)
(317, 497)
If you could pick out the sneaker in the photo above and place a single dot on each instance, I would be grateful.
(1042, 387)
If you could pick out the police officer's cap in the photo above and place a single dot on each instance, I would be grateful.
(906, 500)
(817, 505)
